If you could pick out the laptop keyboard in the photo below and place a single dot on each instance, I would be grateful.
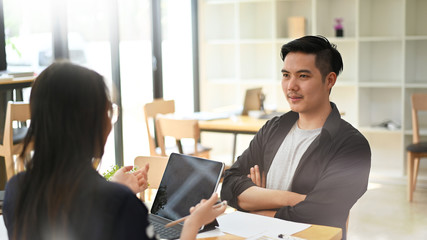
(173, 232)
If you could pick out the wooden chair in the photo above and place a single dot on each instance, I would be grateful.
(346, 224)
(13, 143)
(417, 149)
(158, 106)
(180, 129)
(155, 173)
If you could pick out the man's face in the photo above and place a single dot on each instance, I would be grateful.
(302, 83)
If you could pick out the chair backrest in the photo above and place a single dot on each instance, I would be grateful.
(158, 106)
(419, 103)
(178, 129)
(155, 173)
(16, 112)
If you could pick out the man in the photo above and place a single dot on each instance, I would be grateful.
(308, 165)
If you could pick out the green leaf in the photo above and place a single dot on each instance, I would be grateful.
(110, 172)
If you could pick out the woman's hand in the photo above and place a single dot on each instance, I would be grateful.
(203, 213)
(137, 181)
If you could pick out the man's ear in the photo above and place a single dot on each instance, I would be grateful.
(331, 78)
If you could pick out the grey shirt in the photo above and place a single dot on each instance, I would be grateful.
(288, 157)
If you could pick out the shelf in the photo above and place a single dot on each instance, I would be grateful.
(343, 97)
(256, 61)
(422, 37)
(380, 84)
(379, 105)
(417, 85)
(416, 61)
(387, 152)
(379, 130)
(416, 17)
(381, 61)
(220, 22)
(259, 81)
(348, 50)
(212, 2)
(381, 39)
(255, 20)
(211, 100)
(423, 132)
(257, 41)
(329, 10)
(344, 39)
(221, 61)
(222, 80)
(221, 41)
(384, 50)
(345, 83)
(253, 83)
(381, 18)
(286, 9)
(283, 40)
(240, 41)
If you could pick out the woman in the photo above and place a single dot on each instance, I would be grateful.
(61, 195)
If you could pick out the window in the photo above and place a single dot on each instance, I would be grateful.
(28, 34)
(177, 54)
(29, 47)
(135, 74)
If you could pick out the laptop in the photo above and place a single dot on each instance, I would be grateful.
(252, 100)
(186, 181)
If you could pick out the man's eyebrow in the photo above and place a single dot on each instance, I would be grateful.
(299, 71)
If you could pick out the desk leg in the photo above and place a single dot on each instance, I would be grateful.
(234, 147)
(4, 96)
(19, 96)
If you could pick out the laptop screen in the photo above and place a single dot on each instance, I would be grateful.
(185, 182)
(252, 100)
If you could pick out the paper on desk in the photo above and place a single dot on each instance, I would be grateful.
(212, 233)
(273, 236)
(247, 225)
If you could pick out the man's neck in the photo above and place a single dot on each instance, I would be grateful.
(315, 120)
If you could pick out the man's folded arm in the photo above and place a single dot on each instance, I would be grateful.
(339, 188)
(257, 198)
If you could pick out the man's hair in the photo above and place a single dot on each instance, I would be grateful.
(328, 59)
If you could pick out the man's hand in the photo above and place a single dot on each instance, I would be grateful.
(258, 198)
(136, 181)
(256, 176)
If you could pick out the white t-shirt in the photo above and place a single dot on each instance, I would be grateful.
(288, 156)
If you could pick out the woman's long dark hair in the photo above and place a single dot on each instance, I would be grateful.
(69, 105)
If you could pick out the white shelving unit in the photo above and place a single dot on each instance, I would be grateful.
(384, 50)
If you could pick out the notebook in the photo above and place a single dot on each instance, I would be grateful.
(186, 181)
